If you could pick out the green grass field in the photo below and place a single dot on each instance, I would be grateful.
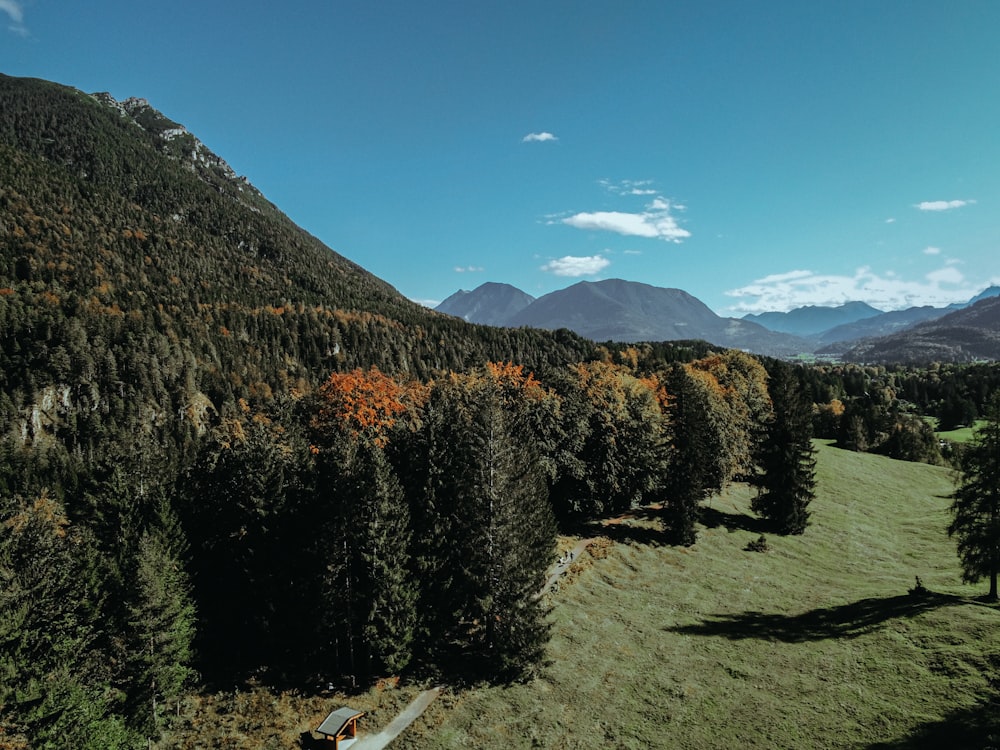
(962, 434)
(813, 644)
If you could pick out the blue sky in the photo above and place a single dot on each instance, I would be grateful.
(759, 155)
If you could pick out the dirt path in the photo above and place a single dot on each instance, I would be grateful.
(397, 725)
(560, 567)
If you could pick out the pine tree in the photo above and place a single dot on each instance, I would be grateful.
(241, 514)
(376, 589)
(161, 623)
(787, 469)
(367, 593)
(976, 502)
(690, 478)
(513, 545)
(490, 529)
(55, 682)
(434, 465)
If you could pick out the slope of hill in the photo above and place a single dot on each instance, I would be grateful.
(860, 662)
(141, 278)
(490, 304)
(812, 320)
(992, 291)
(884, 324)
(620, 310)
(966, 335)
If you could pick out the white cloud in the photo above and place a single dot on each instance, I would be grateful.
(14, 9)
(530, 137)
(942, 205)
(656, 222)
(628, 187)
(469, 269)
(786, 291)
(778, 278)
(890, 220)
(932, 251)
(570, 265)
(946, 275)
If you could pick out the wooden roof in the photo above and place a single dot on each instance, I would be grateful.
(334, 724)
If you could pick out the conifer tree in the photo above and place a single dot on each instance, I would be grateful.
(55, 685)
(689, 479)
(514, 542)
(161, 627)
(368, 599)
(368, 596)
(241, 516)
(486, 505)
(975, 505)
(787, 469)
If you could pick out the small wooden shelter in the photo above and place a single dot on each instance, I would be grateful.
(340, 728)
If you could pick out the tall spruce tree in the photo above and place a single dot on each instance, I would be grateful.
(241, 516)
(55, 672)
(491, 531)
(367, 600)
(976, 502)
(161, 628)
(690, 477)
(786, 479)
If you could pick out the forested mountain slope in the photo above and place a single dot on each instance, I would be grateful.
(141, 278)
(967, 335)
(202, 472)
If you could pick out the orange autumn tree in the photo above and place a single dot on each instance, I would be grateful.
(360, 403)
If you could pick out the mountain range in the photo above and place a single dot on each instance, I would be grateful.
(618, 310)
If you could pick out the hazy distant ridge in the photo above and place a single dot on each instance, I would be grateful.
(491, 304)
(618, 310)
(813, 320)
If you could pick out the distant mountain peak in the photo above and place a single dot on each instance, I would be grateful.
(491, 303)
(617, 310)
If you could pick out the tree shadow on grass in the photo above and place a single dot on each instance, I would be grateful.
(975, 726)
(713, 518)
(845, 621)
(638, 526)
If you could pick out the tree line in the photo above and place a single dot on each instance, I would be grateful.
(375, 526)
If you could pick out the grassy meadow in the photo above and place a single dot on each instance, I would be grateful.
(815, 643)
(962, 434)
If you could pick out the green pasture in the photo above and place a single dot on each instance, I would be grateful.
(962, 434)
(815, 643)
